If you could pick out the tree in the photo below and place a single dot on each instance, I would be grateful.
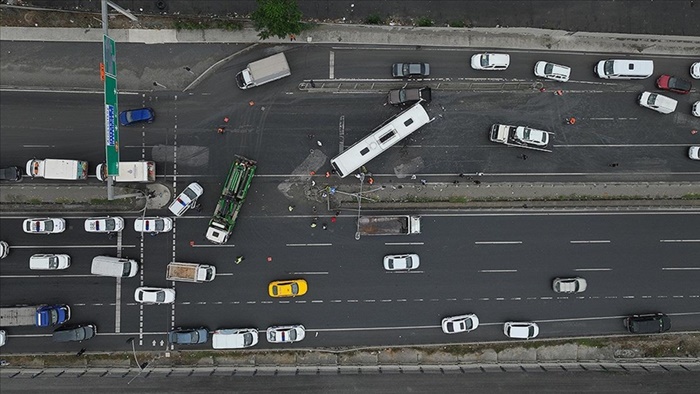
(277, 18)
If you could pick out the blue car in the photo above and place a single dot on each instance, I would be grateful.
(132, 116)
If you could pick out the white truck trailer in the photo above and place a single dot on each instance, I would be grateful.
(389, 225)
(263, 71)
(520, 137)
(65, 169)
(190, 272)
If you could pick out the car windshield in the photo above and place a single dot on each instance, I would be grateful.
(129, 116)
(53, 262)
(548, 68)
(651, 99)
(158, 225)
(409, 262)
(48, 225)
(110, 224)
(160, 296)
(190, 193)
(292, 334)
(295, 288)
(485, 60)
(126, 270)
(247, 339)
(608, 67)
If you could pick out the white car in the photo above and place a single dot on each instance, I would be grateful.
(49, 262)
(695, 70)
(234, 338)
(3, 337)
(286, 334)
(553, 71)
(657, 102)
(4, 249)
(397, 262)
(186, 199)
(490, 61)
(521, 330)
(532, 136)
(104, 225)
(461, 323)
(153, 225)
(696, 109)
(694, 152)
(44, 226)
(569, 285)
(154, 295)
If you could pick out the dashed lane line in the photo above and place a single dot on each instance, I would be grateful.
(680, 269)
(601, 241)
(678, 240)
(302, 245)
(592, 269)
(403, 243)
(498, 242)
(497, 271)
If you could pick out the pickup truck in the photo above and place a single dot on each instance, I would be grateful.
(190, 272)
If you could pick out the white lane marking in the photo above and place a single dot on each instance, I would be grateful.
(403, 243)
(49, 276)
(211, 246)
(593, 269)
(72, 246)
(121, 92)
(298, 245)
(331, 65)
(602, 241)
(38, 146)
(680, 269)
(497, 271)
(679, 240)
(498, 242)
(308, 273)
(224, 273)
(404, 272)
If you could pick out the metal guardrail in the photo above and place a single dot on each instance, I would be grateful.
(651, 366)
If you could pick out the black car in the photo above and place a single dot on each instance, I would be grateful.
(650, 323)
(75, 333)
(409, 95)
(11, 174)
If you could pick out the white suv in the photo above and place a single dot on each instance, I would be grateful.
(552, 71)
(186, 199)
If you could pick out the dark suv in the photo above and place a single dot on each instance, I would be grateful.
(649, 323)
(75, 334)
(409, 95)
(11, 174)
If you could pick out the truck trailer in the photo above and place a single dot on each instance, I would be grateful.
(520, 137)
(389, 225)
(231, 201)
(65, 169)
(39, 316)
(190, 272)
(263, 71)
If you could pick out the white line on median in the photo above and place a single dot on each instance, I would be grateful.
(403, 243)
(331, 66)
(309, 273)
(297, 245)
(498, 242)
(679, 240)
(593, 269)
(591, 242)
(680, 269)
(497, 271)
(72, 246)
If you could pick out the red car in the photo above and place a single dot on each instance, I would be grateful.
(678, 85)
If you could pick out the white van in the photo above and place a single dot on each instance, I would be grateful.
(114, 266)
(130, 171)
(234, 338)
(657, 102)
(49, 262)
(624, 69)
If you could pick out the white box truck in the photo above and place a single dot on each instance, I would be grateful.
(190, 272)
(263, 71)
(65, 169)
(130, 171)
(389, 225)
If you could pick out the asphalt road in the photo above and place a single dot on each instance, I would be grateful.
(499, 266)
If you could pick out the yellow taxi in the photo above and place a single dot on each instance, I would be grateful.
(288, 288)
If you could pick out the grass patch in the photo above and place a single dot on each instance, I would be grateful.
(456, 24)
(592, 342)
(202, 24)
(374, 19)
(35, 201)
(424, 21)
(63, 200)
(691, 196)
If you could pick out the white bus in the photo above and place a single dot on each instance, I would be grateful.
(382, 138)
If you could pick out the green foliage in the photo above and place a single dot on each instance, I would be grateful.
(424, 21)
(457, 24)
(278, 18)
(192, 24)
(374, 19)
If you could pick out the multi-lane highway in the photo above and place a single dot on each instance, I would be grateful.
(497, 265)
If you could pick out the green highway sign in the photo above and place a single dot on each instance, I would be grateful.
(111, 108)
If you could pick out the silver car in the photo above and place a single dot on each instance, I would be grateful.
(552, 71)
(461, 323)
(569, 285)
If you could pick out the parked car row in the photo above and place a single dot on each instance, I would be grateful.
(107, 224)
(236, 338)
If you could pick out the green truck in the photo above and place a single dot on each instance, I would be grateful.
(231, 201)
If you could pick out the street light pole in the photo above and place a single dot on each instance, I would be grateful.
(359, 205)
